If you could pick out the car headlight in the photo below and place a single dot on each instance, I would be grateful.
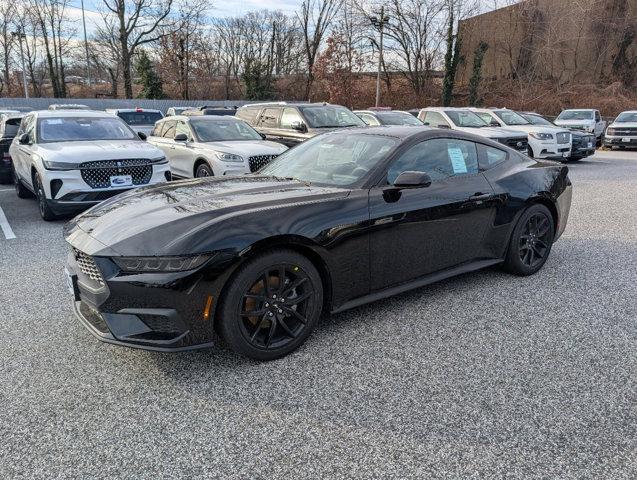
(159, 161)
(228, 157)
(160, 264)
(541, 136)
(49, 165)
(610, 131)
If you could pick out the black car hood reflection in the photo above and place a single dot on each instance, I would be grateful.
(159, 220)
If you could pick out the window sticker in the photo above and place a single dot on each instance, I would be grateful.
(53, 121)
(457, 160)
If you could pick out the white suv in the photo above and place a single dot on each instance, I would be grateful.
(208, 145)
(548, 143)
(72, 160)
(466, 121)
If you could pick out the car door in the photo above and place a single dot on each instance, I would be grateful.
(599, 126)
(286, 134)
(418, 231)
(166, 142)
(268, 124)
(182, 158)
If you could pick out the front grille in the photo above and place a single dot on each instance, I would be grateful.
(582, 142)
(629, 131)
(564, 137)
(258, 161)
(520, 143)
(98, 174)
(87, 266)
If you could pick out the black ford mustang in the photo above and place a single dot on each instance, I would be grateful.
(343, 219)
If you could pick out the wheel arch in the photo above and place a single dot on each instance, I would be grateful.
(545, 199)
(200, 161)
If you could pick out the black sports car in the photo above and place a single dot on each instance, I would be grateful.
(342, 219)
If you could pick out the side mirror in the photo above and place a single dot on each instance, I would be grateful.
(142, 135)
(299, 126)
(412, 179)
(181, 137)
(24, 139)
(493, 123)
(263, 136)
(444, 126)
(426, 123)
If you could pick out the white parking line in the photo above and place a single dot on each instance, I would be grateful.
(7, 189)
(4, 225)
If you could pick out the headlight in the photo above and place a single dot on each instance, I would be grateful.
(541, 136)
(228, 157)
(610, 131)
(60, 165)
(160, 264)
(159, 161)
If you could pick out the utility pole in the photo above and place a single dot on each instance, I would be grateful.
(379, 22)
(88, 68)
(20, 36)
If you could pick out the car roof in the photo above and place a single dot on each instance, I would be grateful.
(201, 118)
(70, 113)
(380, 112)
(133, 110)
(579, 109)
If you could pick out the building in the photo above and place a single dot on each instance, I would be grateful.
(559, 40)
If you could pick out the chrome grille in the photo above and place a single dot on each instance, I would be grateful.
(98, 174)
(258, 161)
(629, 131)
(87, 266)
(521, 143)
(563, 137)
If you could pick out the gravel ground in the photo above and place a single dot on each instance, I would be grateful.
(485, 375)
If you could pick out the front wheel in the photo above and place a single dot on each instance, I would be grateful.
(531, 241)
(272, 305)
(203, 170)
(43, 205)
(20, 190)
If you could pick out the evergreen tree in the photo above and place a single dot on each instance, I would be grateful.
(257, 80)
(476, 75)
(452, 60)
(149, 78)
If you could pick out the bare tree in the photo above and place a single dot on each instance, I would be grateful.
(106, 51)
(315, 18)
(138, 23)
(8, 16)
(27, 23)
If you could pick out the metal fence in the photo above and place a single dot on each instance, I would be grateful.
(104, 103)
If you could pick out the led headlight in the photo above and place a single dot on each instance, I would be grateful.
(228, 157)
(49, 165)
(160, 264)
(610, 131)
(159, 161)
(541, 136)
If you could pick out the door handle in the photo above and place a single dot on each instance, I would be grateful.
(480, 196)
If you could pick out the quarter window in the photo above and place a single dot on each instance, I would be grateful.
(269, 118)
(183, 128)
(440, 158)
(492, 156)
(435, 119)
(290, 115)
(169, 130)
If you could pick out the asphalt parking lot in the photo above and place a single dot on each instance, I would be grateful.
(485, 375)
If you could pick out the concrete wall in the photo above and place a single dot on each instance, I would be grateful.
(559, 40)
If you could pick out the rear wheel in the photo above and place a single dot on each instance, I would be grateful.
(43, 205)
(272, 305)
(531, 241)
(20, 190)
(203, 170)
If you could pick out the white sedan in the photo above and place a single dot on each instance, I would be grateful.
(207, 145)
(71, 160)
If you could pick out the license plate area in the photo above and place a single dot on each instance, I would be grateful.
(626, 140)
(121, 181)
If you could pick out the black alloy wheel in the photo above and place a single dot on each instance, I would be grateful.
(272, 305)
(203, 170)
(531, 241)
(45, 211)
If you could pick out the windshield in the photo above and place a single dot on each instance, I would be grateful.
(330, 116)
(398, 118)
(509, 117)
(73, 129)
(335, 159)
(140, 118)
(538, 120)
(626, 117)
(576, 115)
(11, 127)
(465, 118)
(223, 130)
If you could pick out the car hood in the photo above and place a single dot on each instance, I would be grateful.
(568, 123)
(535, 129)
(97, 150)
(246, 148)
(165, 219)
(623, 125)
(490, 132)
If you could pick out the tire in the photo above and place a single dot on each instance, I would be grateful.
(531, 241)
(20, 190)
(43, 204)
(203, 170)
(277, 328)
(530, 152)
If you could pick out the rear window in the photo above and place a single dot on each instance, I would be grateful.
(140, 118)
(11, 127)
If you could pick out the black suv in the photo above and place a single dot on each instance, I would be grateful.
(292, 123)
(9, 124)
(206, 110)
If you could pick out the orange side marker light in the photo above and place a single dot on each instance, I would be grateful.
(206, 311)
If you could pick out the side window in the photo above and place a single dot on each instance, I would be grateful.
(491, 156)
(182, 128)
(249, 114)
(597, 116)
(157, 129)
(435, 119)
(24, 123)
(29, 127)
(440, 157)
(169, 130)
(369, 119)
(269, 118)
(487, 118)
(289, 116)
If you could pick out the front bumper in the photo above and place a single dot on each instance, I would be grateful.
(158, 311)
(619, 141)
